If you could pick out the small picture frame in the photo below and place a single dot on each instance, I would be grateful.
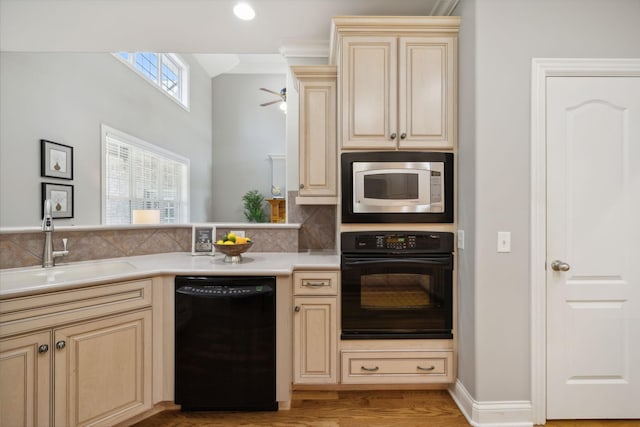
(56, 160)
(203, 238)
(61, 196)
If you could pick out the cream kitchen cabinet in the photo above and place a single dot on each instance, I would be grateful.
(25, 380)
(397, 367)
(397, 82)
(315, 328)
(317, 134)
(77, 357)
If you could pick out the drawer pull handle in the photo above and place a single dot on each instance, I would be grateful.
(315, 284)
(374, 369)
(430, 368)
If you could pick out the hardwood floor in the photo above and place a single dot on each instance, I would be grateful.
(401, 408)
(407, 408)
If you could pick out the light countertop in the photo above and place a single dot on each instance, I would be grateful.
(27, 281)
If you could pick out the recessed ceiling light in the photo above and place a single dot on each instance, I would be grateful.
(244, 11)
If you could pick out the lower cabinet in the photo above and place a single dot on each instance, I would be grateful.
(102, 370)
(94, 370)
(399, 367)
(315, 328)
(25, 380)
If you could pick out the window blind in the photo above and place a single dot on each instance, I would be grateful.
(138, 175)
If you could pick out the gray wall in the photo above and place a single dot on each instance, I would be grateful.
(64, 97)
(244, 134)
(498, 41)
(466, 199)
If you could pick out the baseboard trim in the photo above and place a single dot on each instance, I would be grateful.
(518, 413)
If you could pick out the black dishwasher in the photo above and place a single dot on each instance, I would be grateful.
(225, 343)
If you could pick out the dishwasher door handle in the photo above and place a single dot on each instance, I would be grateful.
(202, 291)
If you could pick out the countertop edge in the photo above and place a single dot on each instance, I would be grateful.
(171, 264)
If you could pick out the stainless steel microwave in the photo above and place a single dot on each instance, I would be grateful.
(397, 187)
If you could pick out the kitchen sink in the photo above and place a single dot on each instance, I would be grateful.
(65, 273)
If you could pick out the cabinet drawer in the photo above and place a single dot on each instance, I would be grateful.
(33, 312)
(315, 283)
(396, 367)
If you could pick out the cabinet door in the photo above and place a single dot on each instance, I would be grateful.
(426, 95)
(368, 79)
(318, 152)
(103, 370)
(25, 372)
(314, 343)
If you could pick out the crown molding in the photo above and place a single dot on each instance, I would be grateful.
(305, 49)
(342, 26)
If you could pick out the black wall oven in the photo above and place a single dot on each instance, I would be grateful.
(397, 285)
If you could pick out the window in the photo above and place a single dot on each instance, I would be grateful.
(166, 71)
(137, 175)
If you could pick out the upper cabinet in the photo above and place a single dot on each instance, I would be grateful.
(397, 81)
(317, 139)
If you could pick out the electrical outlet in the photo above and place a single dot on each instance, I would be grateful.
(239, 233)
(460, 239)
(504, 241)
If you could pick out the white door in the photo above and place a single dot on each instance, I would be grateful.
(593, 232)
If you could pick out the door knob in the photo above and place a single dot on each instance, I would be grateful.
(558, 265)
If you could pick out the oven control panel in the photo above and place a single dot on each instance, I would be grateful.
(394, 241)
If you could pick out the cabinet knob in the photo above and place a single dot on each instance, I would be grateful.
(43, 348)
(296, 309)
(403, 135)
(61, 344)
(301, 186)
(393, 135)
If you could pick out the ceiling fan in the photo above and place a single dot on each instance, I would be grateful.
(282, 95)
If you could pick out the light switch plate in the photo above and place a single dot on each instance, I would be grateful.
(504, 241)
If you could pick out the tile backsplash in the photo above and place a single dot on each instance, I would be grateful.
(24, 249)
(317, 224)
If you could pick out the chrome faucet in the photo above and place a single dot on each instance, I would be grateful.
(49, 256)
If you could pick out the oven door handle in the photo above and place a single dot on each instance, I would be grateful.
(444, 261)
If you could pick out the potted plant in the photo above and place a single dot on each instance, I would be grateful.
(254, 206)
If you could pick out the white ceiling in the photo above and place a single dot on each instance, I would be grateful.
(189, 26)
(246, 63)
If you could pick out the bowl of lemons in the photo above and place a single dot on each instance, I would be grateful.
(233, 247)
